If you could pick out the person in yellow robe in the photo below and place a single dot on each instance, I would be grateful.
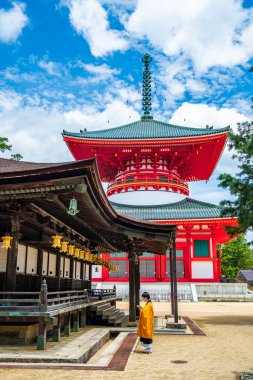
(146, 323)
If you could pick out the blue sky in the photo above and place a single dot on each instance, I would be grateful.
(74, 64)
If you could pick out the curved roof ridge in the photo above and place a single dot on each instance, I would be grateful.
(186, 200)
(149, 128)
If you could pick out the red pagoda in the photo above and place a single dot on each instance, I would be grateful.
(145, 161)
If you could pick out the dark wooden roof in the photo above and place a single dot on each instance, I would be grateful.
(48, 188)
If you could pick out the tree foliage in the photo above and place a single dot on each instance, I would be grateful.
(236, 255)
(4, 144)
(241, 185)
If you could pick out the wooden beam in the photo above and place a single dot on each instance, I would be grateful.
(11, 270)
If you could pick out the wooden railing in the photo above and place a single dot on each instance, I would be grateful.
(102, 293)
(44, 301)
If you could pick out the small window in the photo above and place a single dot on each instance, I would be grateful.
(179, 253)
(118, 254)
(163, 179)
(201, 248)
(147, 254)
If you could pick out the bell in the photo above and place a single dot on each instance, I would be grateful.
(56, 241)
(6, 241)
(73, 207)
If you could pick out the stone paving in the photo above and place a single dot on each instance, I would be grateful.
(77, 348)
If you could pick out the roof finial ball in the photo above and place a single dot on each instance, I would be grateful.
(146, 88)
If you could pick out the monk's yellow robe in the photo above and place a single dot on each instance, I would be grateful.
(146, 321)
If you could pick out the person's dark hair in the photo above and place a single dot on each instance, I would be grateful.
(146, 295)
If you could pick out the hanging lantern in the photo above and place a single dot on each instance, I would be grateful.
(81, 254)
(77, 251)
(7, 241)
(71, 250)
(64, 246)
(73, 207)
(56, 241)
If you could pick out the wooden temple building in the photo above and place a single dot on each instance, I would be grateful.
(148, 165)
(55, 223)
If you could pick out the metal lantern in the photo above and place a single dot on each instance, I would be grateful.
(81, 254)
(71, 250)
(77, 252)
(64, 246)
(56, 241)
(7, 241)
(73, 207)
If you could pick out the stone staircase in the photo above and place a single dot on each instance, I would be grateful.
(107, 314)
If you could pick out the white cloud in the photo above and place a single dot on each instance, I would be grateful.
(116, 113)
(209, 32)
(9, 100)
(89, 19)
(52, 68)
(12, 22)
(103, 69)
(199, 115)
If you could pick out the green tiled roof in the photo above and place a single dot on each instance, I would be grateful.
(185, 209)
(143, 129)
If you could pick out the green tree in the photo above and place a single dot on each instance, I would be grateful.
(4, 144)
(241, 185)
(236, 255)
(16, 157)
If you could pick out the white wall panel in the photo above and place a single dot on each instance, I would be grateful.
(62, 267)
(67, 267)
(78, 270)
(32, 259)
(45, 263)
(21, 258)
(52, 265)
(3, 259)
(202, 269)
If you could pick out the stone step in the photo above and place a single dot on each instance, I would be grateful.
(122, 321)
(115, 315)
(100, 307)
(107, 312)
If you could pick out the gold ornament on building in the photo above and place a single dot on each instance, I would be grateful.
(56, 241)
(64, 246)
(71, 250)
(77, 252)
(6, 241)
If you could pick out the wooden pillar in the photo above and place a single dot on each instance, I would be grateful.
(41, 340)
(71, 267)
(171, 283)
(83, 318)
(57, 330)
(75, 321)
(175, 301)
(67, 324)
(132, 288)
(11, 270)
(40, 267)
(137, 286)
(58, 271)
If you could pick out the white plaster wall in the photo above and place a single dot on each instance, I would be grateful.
(202, 269)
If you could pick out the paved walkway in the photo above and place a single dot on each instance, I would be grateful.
(221, 355)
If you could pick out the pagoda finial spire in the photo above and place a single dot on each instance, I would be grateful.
(146, 88)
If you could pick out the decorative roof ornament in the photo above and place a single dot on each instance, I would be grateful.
(146, 88)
